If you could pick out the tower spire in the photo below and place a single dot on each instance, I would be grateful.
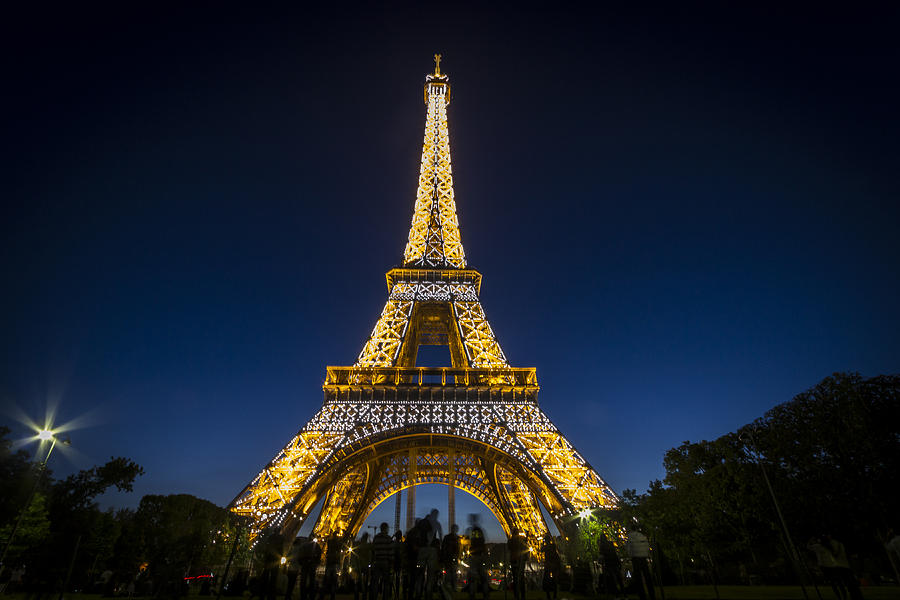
(434, 239)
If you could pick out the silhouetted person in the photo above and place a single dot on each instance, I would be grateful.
(360, 559)
(293, 567)
(552, 567)
(333, 549)
(408, 548)
(477, 557)
(272, 547)
(399, 559)
(429, 552)
(612, 567)
(310, 556)
(382, 563)
(450, 560)
(826, 563)
(639, 550)
(518, 554)
(842, 567)
(419, 543)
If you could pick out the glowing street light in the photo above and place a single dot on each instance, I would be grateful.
(45, 435)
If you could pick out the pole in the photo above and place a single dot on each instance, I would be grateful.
(658, 564)
(411, 492)
(237, 537)
(24, 510)
(451, 491)
(71, 566)
(792, 550)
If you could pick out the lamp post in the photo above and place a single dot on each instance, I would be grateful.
(792, 549)
(44, 435)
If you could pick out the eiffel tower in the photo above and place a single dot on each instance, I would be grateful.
(387, 425)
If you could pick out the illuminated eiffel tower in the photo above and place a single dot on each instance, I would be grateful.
(387, 425)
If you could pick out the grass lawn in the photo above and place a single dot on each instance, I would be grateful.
(769, 592)
(693, 592)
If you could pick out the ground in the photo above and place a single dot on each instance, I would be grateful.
(696, 592)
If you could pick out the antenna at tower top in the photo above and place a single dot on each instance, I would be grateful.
(437, 65)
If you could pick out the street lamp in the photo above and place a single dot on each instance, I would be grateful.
(43, 435)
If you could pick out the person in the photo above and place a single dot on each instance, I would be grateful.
(552, 567)
(333, 547)
(272, 547)
(450, 561)
(429, 551)
(638, 548)
(420, 539)
(399, 559)
(826, 564)
(293, 567)
(410, 569)
(893, 543)
(612, 567)
(518, 554)
(310, 555)
(477, 557)
(892, 546)
(17, 578)
(382, 562)
(360, 560)
(842, 567)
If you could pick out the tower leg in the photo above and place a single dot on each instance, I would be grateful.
(451, 491)
(411, 494)
(397, 512)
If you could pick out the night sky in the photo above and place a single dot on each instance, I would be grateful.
(683, 216)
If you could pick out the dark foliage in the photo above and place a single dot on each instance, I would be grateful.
(831, 455)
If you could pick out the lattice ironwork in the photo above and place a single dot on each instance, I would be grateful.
(434, 239)
(387, 425)
(523, 504)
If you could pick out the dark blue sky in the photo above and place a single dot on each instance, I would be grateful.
(684, 216)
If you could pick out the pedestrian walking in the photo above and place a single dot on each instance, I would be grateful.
(638, 548)
(477, 574)
(382, 563)
(450, 561)
(360, 561)
(333, 547)
(430, 551)
(842, 567)
(611, 565)
(310, 556)
(826, 563)
(293, 567)
(552, 567)
(518, 554)
(399, 560)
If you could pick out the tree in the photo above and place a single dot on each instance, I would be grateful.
(80, 533)
(16, 478)
(33, 529)
(179, 535)
(831, 455)
(834, 452)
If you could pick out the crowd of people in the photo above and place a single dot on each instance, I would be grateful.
(425, 563)
(417, 566)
